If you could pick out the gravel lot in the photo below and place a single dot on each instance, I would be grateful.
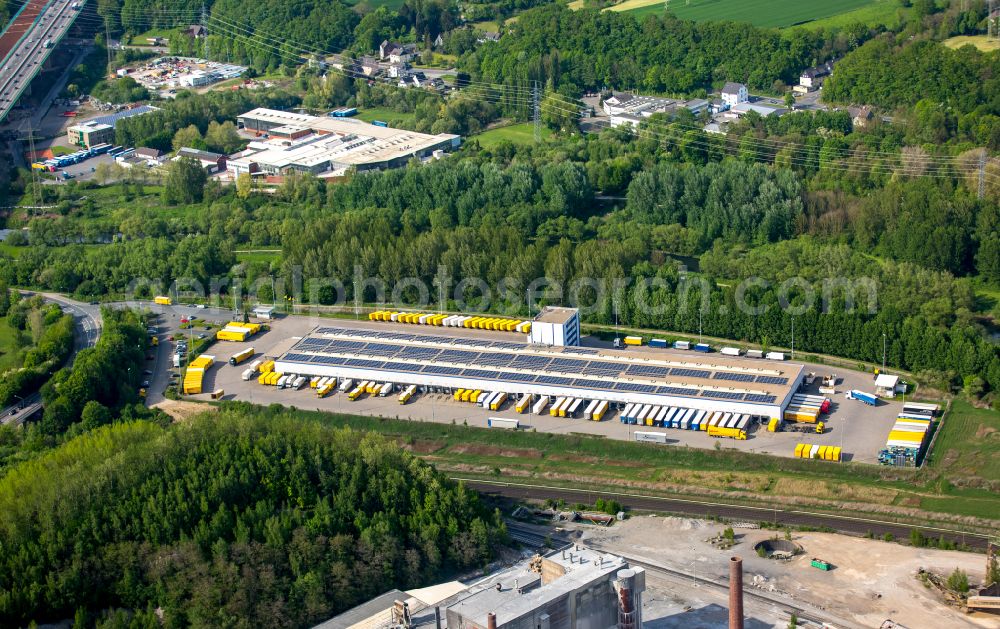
(871, 580)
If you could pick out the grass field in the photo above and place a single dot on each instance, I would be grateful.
(140, 39)
(523, 133)
(878, 12)
(371, 5)
(777, 13)
(259, 255)
(968, 444)
(979, 41)
(385, 115)
(8, 350)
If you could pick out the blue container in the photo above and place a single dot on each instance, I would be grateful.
(661, 343)
(702, 347)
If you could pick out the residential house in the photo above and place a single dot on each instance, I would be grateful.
(404, 54)
(861, 116)
(196, 31)
(419, 79)
(399, 70)
(439, 41)
(811, 78)
(488, 36)
(734, 93)
(397, 53)
(436, 84)
(211, 162)
(152, 157)
(369, 66)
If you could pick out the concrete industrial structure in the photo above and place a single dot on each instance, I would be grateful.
(89, 134)
(575, 587)
(314, 144)
(437, 359)
(556, 326)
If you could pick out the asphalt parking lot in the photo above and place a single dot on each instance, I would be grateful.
(859, 429)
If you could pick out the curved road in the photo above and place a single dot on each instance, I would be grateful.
(88, 330)
(776, 516)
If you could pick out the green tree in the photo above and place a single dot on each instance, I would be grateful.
(244, 185)
(958, 581)
(223, 138)
(189, 137)
(185, 182)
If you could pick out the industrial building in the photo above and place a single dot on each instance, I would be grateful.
(631, 109)
(90, 134)
(439, 359)
(289, 141)
(565, 589)
(101, 130)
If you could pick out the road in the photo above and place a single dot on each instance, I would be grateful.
(88, 331)
(28, 55)
(775, 516)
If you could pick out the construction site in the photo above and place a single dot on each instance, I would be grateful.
(513, 374)
(689, 576)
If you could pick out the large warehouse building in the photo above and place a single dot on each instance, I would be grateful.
(315, 144)
(435, 358)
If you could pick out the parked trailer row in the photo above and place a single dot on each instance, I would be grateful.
(812, 451)
(499, 324)
(812, 400)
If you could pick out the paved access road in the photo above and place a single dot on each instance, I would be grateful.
(781, 517)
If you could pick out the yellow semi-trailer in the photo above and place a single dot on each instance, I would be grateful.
(163, 300)
(324, 390)
(356, 393)
(498, 401)
(524, 403)
(458, 395)
(554, 411)
(602, 408)
(407, 393)
(241, 356)
(633, 340)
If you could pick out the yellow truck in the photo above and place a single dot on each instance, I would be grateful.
(731, 433)
(162, 300)
(633, 340)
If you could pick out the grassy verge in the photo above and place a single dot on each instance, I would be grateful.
(8, 346)
(384, 114)
(523, 133)
(723, 475)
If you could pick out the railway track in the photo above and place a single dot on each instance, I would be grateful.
(805, 616)
(774, 516)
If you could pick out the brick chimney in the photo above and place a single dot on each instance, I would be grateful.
(735, 593)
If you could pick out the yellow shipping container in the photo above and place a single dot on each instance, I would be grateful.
(899, 435)
(821, 453)
(458, 395)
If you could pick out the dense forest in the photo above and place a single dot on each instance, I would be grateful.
(243, 518)
(881, 73)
